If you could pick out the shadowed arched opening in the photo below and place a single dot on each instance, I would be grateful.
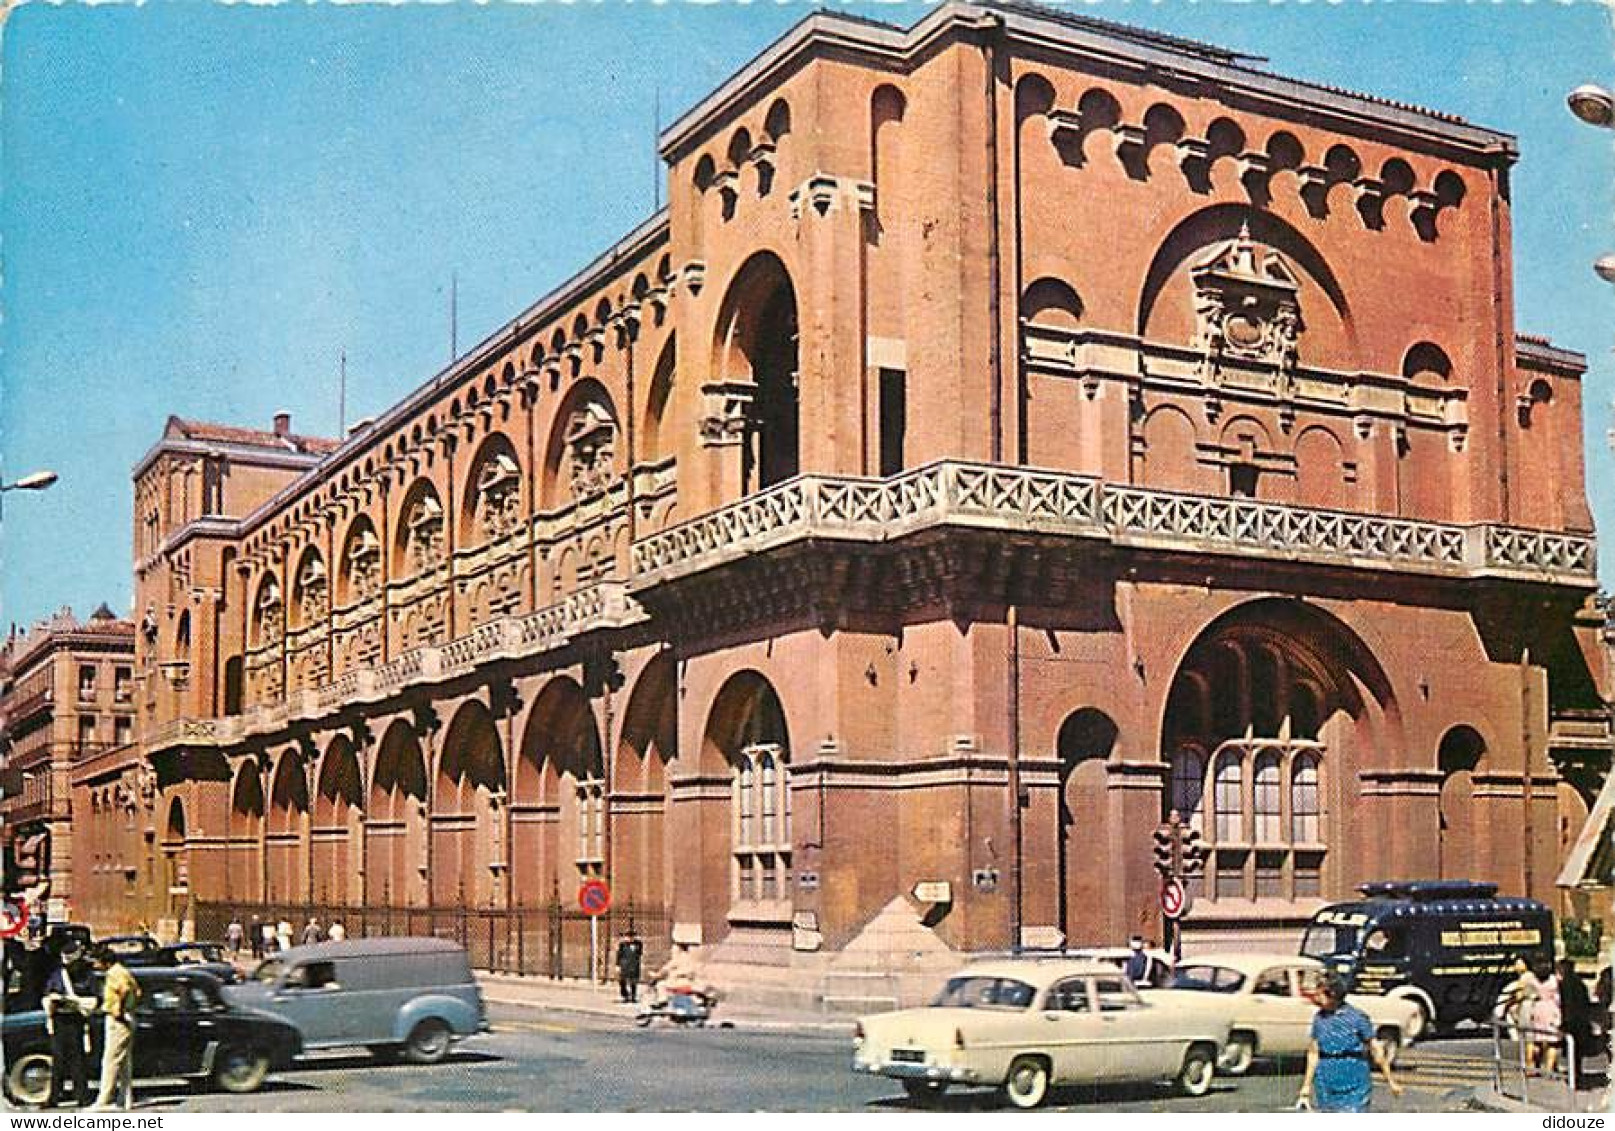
(1459, 756)
(285, 846)
(558, 796)
(755, 351)
(395, 821)
(336, 835)
(746, 734)
(639, 785)
(1086, 740)
(467, 838)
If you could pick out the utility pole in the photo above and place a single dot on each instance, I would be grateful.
(454, 316)
(342, 395)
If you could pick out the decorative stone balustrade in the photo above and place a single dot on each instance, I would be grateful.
(1023, 500)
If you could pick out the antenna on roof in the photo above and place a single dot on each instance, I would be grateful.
(655, 156)
(342, 395)
(454, 315)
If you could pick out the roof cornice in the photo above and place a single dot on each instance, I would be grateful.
(1158, 59)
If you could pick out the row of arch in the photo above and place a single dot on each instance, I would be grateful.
(1098, 110)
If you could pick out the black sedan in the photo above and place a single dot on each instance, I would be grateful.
(183, 1027)
(206, 956)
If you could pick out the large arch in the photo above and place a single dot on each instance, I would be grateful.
(395, 821)
(244, 833)
(746, 734)
(557, 796)
(467, 841)
(639, 785)
(336, 833)
(176, 852)
(756, 344)
(1274, 710)
(286, 843)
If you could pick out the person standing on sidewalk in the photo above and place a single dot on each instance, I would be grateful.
(1337, 1076)
(119, 999)
(67, 1011)
(630, 952)
(233, 934)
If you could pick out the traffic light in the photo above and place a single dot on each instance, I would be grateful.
(1165, 845)
(1194, 853)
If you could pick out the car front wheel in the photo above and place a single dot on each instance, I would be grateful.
(428, 1042)
(29, 1076)
(1028, 1083)
(1238, 1054)
(239, 1069)
(1198, 1071)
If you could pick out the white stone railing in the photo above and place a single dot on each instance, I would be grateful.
(1024, 500)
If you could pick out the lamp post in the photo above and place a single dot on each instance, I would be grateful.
(1595, 105)
(34, 481)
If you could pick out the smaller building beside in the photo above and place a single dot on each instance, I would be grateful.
(66, 699)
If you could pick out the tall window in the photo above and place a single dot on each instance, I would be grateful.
(1229, 801)
(893, 419)
(1305, 804)
(86, 681)
(122, 678)
(1189, 786)
(1267, 842)
(1267, 799)
(762, 805)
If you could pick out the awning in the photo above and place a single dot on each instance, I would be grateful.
(1591, 862)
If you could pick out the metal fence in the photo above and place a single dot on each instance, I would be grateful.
(550, 940)
(1515, 1073)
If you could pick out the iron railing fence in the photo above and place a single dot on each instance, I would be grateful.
(549, 940)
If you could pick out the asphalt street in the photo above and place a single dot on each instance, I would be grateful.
(551, 1061)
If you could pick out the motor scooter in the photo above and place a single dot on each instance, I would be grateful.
(684, 1005)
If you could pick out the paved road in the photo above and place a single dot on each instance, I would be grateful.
(562, 1062)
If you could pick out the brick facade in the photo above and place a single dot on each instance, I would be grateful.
(1015, 427)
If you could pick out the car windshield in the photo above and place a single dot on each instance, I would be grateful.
(269, 972)
(1215, 979)
(1326, 940)
(976, 992)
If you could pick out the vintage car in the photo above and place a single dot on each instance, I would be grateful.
(1160, 964)
(396, 996)
(1028, 1025)
(183, 1027)
(127, 949)
(1269, 1015)
(208, 956)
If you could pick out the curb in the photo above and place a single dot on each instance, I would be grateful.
(591, 1010)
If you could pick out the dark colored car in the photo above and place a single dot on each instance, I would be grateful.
(127, 949)
(206, 956)
(183, 1027)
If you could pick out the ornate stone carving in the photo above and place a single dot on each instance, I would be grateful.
(424, 538)
(498, 510)
(590, 439)
(728, 404)
(1246, 306)
(313, 592)
(364, 564)
(271, 614)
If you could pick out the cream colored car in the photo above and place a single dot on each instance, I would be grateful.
(1027, 1025)
(1263, 999)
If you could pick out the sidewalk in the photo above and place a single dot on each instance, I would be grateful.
(576, 996)
(1546, 1097)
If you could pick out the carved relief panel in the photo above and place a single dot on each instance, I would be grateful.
(1246, 306)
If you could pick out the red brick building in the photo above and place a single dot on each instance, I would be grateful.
(67, 698)
(1015, 427)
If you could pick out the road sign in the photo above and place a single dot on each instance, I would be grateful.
(13, 917)
(933, 891)
(1174, 899)
(594, 897)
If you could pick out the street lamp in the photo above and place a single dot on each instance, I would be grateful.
(1594, 105)
(33, 481)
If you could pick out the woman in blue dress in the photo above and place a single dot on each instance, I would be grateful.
(1337, 1077)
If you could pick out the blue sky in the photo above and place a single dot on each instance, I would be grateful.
(204, 205)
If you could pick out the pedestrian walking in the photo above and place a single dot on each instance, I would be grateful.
(1140, 966)
(120, 996)
(1337, 1076)
(233, 934)
(1546, 1018)
(1576, 1014)
(337, 932)
(69, 1003)
(312, 933)
(283, 935)
(268, 940)
(255, 937)
(630, 953)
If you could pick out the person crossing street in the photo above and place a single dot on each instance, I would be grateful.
(119, 999)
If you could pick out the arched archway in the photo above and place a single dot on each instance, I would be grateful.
(639, 785)
(244, 834)
(1458, 757)
(1275, 708)
(395, 821)
(467, 839)
(176, 852)
(337, 830)
(746, 733)
(558, 792)
(1085, 742)
(756, 346)
(286, 845)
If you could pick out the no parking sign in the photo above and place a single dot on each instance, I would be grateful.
(594, 897)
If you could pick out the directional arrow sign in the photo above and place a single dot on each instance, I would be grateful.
(13, 917)
(1174, 899)
(933, 891)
